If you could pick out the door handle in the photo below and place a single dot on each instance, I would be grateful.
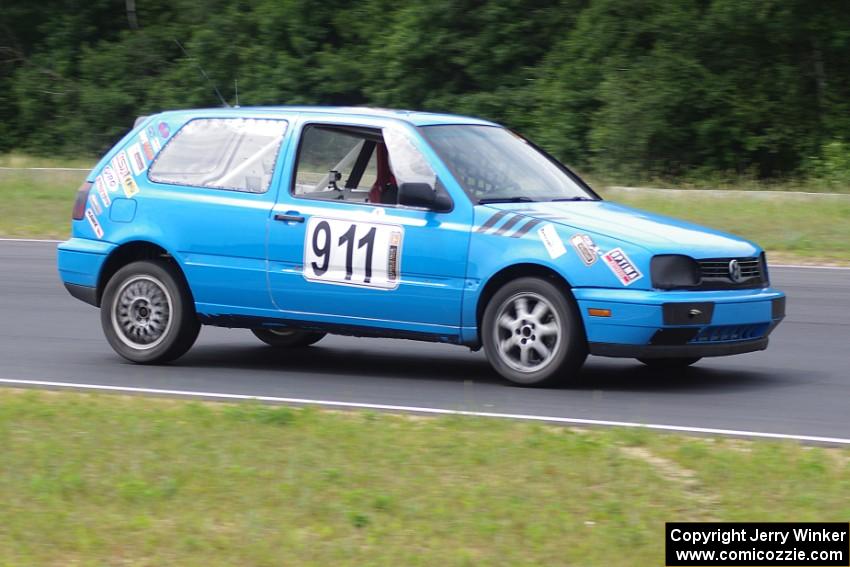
(288, 218)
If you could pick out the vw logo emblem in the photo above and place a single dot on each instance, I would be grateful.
(735, 271)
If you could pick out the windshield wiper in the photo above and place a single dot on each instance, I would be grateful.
(506, 200)
(572, 199)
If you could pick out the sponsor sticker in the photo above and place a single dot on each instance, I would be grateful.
(110, 178)
(163, 130)
(94, 204)
(137, 160)
(392, 256)
(585, 248)
(550, 239)
(121, 165)
(130, 187)
(100, 186)
(622, 266)
(146, 146)
(95, 225)
(156, 145)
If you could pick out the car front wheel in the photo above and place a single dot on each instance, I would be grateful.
(147, 313)
(287, 338)
(533, 334)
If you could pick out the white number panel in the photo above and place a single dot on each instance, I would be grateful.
(363, 254)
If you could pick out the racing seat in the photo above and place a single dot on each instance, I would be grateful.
(385, 189)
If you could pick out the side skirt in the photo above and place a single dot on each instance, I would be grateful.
(249, 322)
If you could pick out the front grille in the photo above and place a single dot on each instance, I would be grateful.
(716, 274)
(723, 333)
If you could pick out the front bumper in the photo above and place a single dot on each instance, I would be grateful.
(677, 351)
(683, 324)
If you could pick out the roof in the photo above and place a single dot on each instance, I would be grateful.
(416, 118)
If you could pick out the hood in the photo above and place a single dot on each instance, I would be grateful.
(656, 233)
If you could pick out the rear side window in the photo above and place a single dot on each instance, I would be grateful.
(237, 154)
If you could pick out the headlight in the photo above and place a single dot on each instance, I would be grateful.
(673, 271)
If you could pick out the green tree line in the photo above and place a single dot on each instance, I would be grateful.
(643, 88)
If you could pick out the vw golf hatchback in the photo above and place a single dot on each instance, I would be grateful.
(295, 222)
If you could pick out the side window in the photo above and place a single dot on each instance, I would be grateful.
(344, 163)
(237, 154)
(407, 162)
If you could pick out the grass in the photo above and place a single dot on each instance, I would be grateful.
(93, 480)
(789, 227)
(24, 161)
(37, 204)
(719, 181)
(792, 228)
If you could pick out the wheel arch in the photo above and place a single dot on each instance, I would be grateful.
(134, 251)
(510, 273)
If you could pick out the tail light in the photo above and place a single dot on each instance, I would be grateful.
(82, 199)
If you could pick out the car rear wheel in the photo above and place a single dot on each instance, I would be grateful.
(669, 363)
(287, 338)
(147, 313)
(533, 334)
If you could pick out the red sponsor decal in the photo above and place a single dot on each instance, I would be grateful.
(622, 266)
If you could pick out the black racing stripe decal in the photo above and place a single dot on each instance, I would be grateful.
(509, 225)
(525, 228)
(492, 221)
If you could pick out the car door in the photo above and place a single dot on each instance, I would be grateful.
(207, 199)
(337, 257)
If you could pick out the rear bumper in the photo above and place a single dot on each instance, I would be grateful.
(80, 261)
(658, 324)
(83, 293)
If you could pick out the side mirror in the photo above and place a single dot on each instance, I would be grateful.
(424, 196)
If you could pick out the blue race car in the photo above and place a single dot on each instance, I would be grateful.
(295, 222)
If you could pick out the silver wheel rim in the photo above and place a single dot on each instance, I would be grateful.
(141, 312)
(527, 332)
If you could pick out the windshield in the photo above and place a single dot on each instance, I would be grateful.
(493, 165)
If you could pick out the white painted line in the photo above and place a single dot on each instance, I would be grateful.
(757, 193)
(43, 169)
(796, 266)
(426, 410)
(29, 240)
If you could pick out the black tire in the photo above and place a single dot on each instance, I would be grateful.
(138, 301)
(669, 363)
(566, 342)
(287, 338)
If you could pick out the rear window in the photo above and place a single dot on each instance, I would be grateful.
(236, 154)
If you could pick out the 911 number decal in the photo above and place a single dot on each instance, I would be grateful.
(362, 254)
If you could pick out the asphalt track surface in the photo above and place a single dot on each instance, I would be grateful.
(800, 386)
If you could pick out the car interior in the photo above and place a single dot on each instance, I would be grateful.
(344, 163)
